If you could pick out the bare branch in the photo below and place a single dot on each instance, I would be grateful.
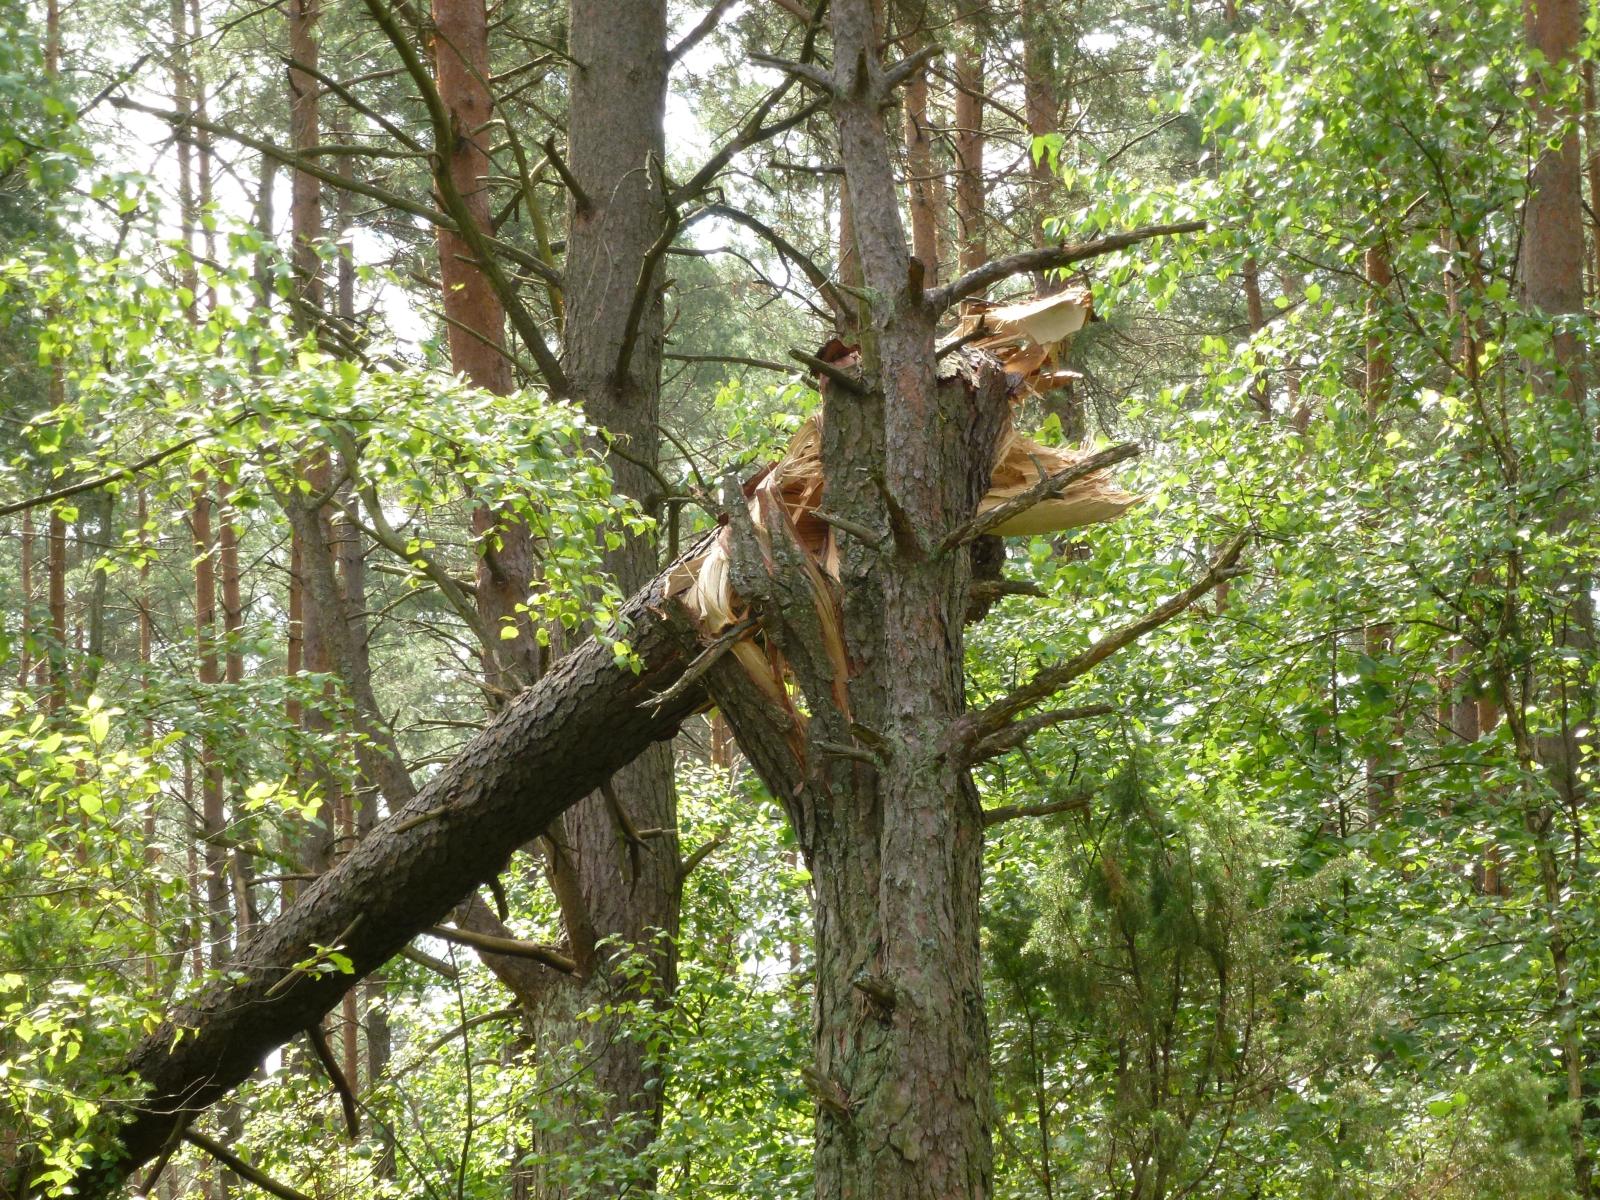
(969, 731)
(510, 947)
(121, 473)
(764, 364)
(645, 285)
(700, 32)
(1014, 734)
(815, 275)
(703, 662)
(701, 853)
(901, 71)
(241, 1168)
(834, 374)
(807, 73)
(330, 1067)
(1011, 812)
(437, 965)
(1044, 259)
(580, 198)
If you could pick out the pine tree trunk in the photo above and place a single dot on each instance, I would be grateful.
(1552, 277)
(894, 836)
(305, 205)
(971, 187)
(612, 343)
(477, 338)
(920, 172)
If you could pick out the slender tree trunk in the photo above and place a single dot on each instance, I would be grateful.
(971, 186)
(1591, 141)
(920, 172)
(305, 212)
(56, 581)
(477, 337)
(213, 820)
(1552, 277)
(1042, 108)
(24, 655)
(1379, 636)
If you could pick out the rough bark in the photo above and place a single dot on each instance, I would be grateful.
(971, 231)
(1042, 108)
(612, 343)
(553, 745)
(305, 205)
(1552, 278)
(885, 812)
(476, 322)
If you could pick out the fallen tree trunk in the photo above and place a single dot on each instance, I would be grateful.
(555, 744)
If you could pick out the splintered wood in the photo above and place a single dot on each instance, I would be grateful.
(784, 497)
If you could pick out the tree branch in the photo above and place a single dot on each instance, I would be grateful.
(969, 731)
(100, 481)
(699, 33)
(1017, 732)
(645, 284)
(330, 1067)
(764, 364)
(1011, 812)
(580, 198)
(510, 947)
(1044, 259)
(815, 275)
(241, 1168)
(701, 853)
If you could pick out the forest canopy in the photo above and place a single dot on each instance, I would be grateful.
(859, 598)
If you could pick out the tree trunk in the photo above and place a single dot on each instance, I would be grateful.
(920, 170)
(305, 211)
(885, 812)
(24, 654)
(971, 233)
(1042, 108)
(612, 342)
(477, 338)
(1552, 276)
(549, 748)
(213, 820)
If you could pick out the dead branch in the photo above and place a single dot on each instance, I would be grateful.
(1012, 812)
(330, 1067)
(1048, 257)
(241, 1168)
(510, 947)
(699, 33)
(1017, 732)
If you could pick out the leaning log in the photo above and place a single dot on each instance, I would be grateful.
(555, 744)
